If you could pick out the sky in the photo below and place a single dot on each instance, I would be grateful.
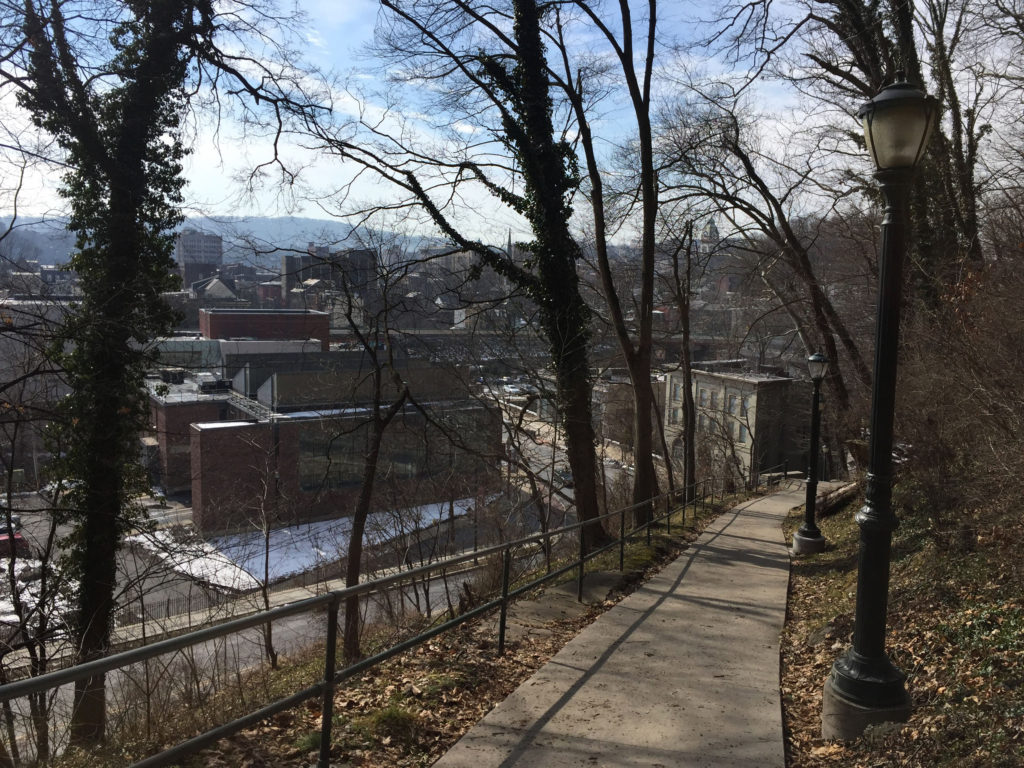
(223, 156)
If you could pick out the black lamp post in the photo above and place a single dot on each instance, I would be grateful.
(808, 539)
(865, 687)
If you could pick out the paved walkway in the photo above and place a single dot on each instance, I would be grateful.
(683, 672)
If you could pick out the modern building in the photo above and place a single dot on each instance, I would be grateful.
(198, 254)
(288, 468)
(176, 402)
(276, 430)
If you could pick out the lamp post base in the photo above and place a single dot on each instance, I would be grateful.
(804, 544)
(846, 720)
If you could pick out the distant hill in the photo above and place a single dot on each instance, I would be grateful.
(252, 239)
(34, 239)
(262, 240)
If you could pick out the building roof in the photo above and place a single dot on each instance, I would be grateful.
(748, 378)
(233, 311)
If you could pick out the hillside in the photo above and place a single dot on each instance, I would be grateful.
(956, 628)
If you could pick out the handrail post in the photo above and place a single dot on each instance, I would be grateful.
(506, 568)
(579, 578)
(331, 604)
(622, 541)
(668, 513)
(327, 703)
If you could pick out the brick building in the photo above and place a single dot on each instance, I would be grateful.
(260, 420)
(296, 452)
(172, 418)
(265, 324)
(287, 469)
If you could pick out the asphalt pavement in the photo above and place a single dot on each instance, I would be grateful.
(683, 672)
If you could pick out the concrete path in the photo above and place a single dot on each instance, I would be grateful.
(683, 672)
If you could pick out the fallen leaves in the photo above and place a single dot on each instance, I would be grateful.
(409, 710)
(955, 628)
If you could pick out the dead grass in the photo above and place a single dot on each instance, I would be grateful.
(956, 628)
(409, 710)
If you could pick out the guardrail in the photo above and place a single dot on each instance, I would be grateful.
(770, 477)
(703, 495)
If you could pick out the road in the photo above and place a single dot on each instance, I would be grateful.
(192, 673)
(160, 687)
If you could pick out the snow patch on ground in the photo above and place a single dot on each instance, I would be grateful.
(27, 583)
(300, 548)
(196, 559)
(236, 561)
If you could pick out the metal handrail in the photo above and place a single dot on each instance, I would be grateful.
(331, 601)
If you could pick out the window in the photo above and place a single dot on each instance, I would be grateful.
(732, 403)
(703, 398)
(679, 449)
(674, 415)
(744, 405)
(405, 464)
(743, 433)
(330, 459)
(701, 427)
(714, 401)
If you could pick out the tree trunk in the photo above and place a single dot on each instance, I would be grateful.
(106, 377)
(354, 564)
(575, 393)
(682, 283)
(636, 353)
(268, 628)
(565, 314)
(645, 483)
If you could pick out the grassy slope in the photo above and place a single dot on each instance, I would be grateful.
(404, 713)
(956, 628)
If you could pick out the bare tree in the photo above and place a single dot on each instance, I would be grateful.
(839, 54)
(577, 81)
(710, 155)
(681, 282)
(506, 82)
(109, 83)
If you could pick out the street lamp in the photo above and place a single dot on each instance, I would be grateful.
(865, 687)
(808, 539)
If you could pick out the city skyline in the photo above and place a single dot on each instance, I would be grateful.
(220, 175)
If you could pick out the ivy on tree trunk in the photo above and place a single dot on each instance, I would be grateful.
(120, 137)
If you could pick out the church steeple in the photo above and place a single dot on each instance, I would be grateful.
(710, 234)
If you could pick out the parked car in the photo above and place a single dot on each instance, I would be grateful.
(16, 545)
